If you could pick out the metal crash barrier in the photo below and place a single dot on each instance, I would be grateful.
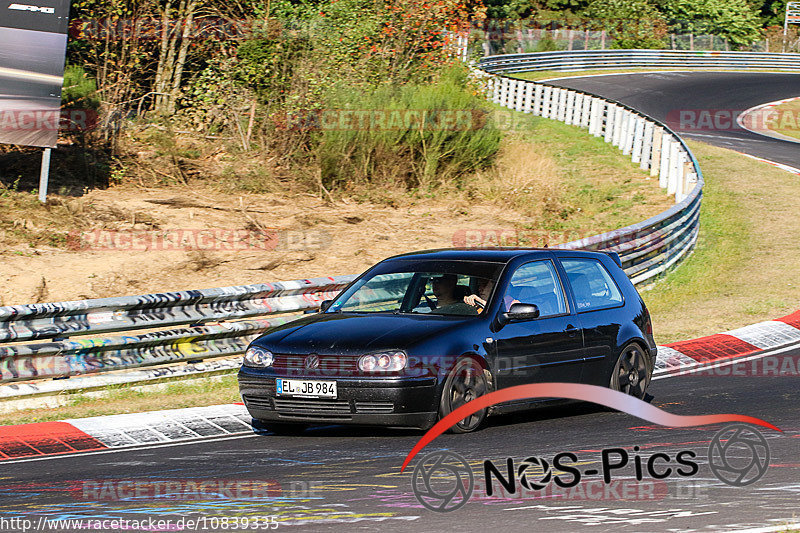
(623, 59)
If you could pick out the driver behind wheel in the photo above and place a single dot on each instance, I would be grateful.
(479, 300)
(447, 303)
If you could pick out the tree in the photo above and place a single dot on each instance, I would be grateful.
(631, 23)
(735, 20)
(773, 12)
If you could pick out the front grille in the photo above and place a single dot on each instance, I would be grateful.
(318, 408)
(330, 365)
(374, 407)
(264, 404)
(312, 408)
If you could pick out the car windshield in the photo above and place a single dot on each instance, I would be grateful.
(461, 288)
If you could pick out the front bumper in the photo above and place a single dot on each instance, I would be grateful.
(406, 402)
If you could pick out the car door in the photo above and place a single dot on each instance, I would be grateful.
(548, 348)
(598, 301)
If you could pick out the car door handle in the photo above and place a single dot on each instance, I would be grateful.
(572, 330)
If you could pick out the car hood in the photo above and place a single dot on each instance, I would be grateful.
(355, 334)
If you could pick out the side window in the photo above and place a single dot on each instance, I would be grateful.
(592, 285)
(537, 283)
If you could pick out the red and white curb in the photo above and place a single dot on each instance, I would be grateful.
(756, 119)
(31, 441)
(680, 357)
(122, 431)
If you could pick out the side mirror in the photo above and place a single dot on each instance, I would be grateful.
(519, 311)
(325, 305)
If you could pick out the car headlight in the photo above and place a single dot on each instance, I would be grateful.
(255, 356)
(383, 362)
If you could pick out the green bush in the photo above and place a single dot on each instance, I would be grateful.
(431, 133)
(547, 44)
(79, 90)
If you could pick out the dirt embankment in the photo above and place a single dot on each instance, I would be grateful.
(136, 239)
(166, 240)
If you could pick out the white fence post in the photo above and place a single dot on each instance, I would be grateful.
(627, 134)
(683, 183)
(619, 124)
(663, 173)
(503, 91)
(537, 100)
(547, 101)
(586, 110)
(562, 105)
(528, 97)
(638, 141)
(675, 167)
(577, 111)
(691, 179)
(569, 111)
(655, 156)
(518, 100)
(647, 145)
(611, 122)
(593, 122)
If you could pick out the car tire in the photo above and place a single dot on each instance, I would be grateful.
(465, 382)
(632, 371)
(278, 428)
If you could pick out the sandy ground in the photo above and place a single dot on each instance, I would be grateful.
(308, 237)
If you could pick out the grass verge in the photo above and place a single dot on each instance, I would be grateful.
(744, 268)
(133, 399)
(568, 184)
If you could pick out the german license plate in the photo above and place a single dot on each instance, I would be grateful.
(306, 388)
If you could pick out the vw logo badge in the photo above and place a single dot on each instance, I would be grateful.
(312, 361)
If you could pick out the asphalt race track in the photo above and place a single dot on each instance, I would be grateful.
(663, 95)
(334, 477)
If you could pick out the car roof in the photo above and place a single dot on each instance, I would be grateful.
(497, 255)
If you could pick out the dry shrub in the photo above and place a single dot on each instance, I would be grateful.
(522, 179)
(41, 292)
(200, 260)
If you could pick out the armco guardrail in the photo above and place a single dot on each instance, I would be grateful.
(67, 326)
(624, 59)
(61, 339)
(650, 247)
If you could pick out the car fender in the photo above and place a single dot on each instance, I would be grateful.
(631, 333)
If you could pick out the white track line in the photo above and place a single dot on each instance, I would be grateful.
(769, 529)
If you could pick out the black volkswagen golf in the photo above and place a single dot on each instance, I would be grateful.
(420, 334)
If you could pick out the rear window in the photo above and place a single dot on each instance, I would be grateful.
(592, 285)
